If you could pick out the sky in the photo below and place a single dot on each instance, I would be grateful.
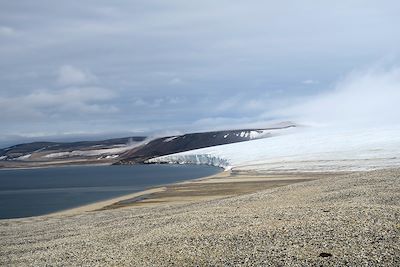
(108, 68)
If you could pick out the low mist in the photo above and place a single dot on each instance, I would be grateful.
(361, 99)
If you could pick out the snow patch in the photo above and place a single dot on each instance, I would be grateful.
(170, 139)
(108, 157)
(3, 157)
(259, 134)
(112, 156)
(27, 156)
(40, 149)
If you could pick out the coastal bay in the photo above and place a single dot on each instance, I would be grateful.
(39, 191)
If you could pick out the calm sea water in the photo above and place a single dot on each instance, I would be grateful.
(32, 192)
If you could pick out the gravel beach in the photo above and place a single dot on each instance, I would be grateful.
(344, 220)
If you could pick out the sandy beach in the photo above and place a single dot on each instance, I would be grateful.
(337, 219)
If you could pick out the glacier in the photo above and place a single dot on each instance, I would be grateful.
(303, 149)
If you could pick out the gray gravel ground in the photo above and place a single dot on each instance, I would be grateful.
(352, 220)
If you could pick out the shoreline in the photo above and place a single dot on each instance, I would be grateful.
(101, 205)
(252, 181)
(339, 219)
(220, 185)
(227, 182)
(61, 165)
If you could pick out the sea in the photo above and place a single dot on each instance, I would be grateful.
(33, 192)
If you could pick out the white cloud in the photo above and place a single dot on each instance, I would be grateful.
(51, 103)
(175, 100)
(176, 81)
(310, 82)
(255, 104)
(139, 102)
(157, 102)
(229, 104)
(70, 75)
(7, 31)
(243, 103)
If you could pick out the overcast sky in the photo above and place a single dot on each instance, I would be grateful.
(103, 67)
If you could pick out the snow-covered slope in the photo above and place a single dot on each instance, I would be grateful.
(304, 149)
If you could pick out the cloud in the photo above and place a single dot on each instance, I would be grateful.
(7, 31)
(175, 81)
(364, 97)
(69, 75)
(244, 104)
(65, 103)
(175, 100)
(228, 104)
(157, 102)
(73, 97)
(310, 82)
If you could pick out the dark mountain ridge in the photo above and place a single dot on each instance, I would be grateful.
(180, 143)
(19, 150)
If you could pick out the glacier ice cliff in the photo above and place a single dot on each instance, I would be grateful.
(199, 159)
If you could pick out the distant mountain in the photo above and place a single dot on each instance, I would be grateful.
(128, 150)
(49, 153)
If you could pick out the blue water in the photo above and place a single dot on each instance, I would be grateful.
(33, 192)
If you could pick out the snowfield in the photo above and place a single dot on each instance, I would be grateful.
(303, 149)
(27, 156)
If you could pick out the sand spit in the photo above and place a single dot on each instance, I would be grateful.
(105, 203)
(342, 220)
(221, 185)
